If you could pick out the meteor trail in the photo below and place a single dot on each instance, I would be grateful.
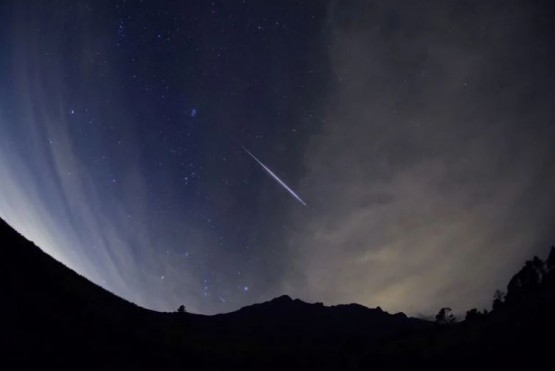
(275, 177)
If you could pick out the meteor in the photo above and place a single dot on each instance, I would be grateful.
(281, 182)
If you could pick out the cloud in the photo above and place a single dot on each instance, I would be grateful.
(432, 162)
(52, 195)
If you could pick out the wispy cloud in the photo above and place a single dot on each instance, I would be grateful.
(432, 166)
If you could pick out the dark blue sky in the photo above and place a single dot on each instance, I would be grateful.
(420, 136)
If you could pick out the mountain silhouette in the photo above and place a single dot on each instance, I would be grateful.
(52, 314)
(51, 317)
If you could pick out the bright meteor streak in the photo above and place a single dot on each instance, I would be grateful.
(275, 177)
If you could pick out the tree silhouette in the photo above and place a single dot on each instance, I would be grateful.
(550, 263)
(444, 316)
(473, 315)
(181, 309)
(498, 298)
(526, 281)
(549, 277)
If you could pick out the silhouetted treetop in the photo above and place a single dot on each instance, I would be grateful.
(473, 315)
(526, 280)
(550, 263)
(498, 298)
(444, 316)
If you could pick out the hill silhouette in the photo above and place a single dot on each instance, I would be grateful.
(51, 317)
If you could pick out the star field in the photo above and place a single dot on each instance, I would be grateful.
(410, 138)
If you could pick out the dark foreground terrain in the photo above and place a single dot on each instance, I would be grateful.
(52, 318)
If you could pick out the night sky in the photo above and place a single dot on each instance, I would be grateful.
(420, 136)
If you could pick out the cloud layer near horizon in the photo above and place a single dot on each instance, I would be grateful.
(433, 169)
